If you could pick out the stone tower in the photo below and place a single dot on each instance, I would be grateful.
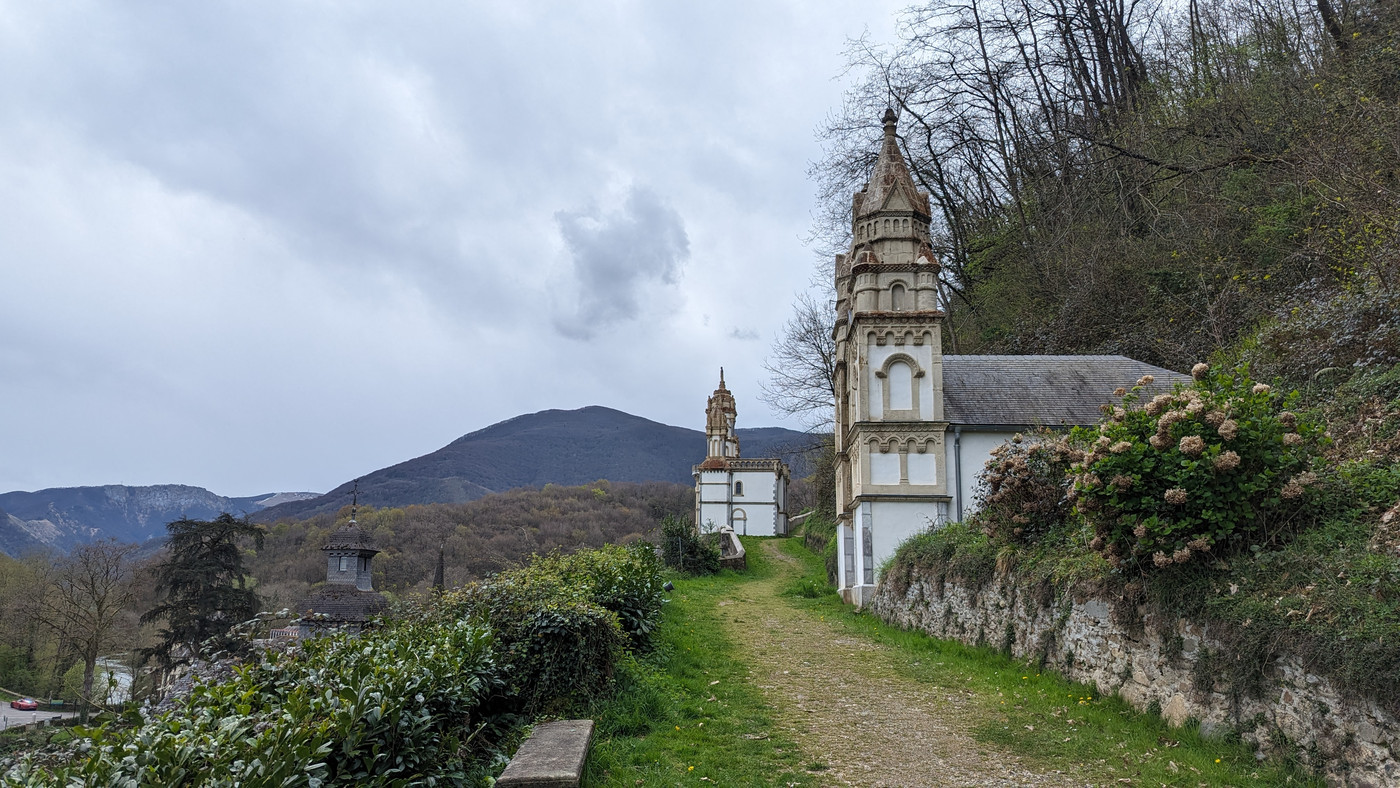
(890, 470)
(720, 415)
(747, 494)
(350, 554)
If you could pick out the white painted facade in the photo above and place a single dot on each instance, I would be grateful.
(747, 494)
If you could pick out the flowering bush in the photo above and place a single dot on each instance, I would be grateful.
(1024, 488)
(1191, 472)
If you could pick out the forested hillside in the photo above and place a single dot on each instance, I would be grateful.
(1168, 181)
(476, 538)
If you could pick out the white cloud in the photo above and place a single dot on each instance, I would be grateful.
(268, 245)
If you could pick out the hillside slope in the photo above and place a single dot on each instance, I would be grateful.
(62, 517)
(567, 447)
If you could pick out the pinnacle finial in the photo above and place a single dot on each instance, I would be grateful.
(890, 117)
(354, 501)
(721, 377)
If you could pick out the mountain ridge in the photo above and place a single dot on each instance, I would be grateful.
(554, 446)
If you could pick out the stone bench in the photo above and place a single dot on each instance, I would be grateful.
(551, 758)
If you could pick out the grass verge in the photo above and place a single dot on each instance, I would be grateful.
(1049, 722)
(689, 713)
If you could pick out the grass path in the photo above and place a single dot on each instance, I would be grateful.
(765, 679)
(846, 699)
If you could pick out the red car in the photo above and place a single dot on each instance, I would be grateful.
(25, 704)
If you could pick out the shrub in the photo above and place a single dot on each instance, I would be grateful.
(555, 645)
(392, 706)
(625, 580)
(1024, 488)
(685, 550)
(1202, 470)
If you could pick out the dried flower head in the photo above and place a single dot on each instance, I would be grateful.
(1020, 519)
(1288, 419)
(1192, 445)
(1119, 414)
(1228, 429)
(1307, 478)
(1159, 441)
(1292, 439)
(1200, 371)
(1199, 545)
(1160, 559)
(1122, 481)
(1181, 556)
(1195, 406)
(1103, 440)
(1262, 388)
(1120, 391)
(1145, 380)
(1096, 544)
(1120, 447)
(1140, 531)
(1016, 438)
(1175, 496)
(1152, 408)
(1215, 418)
(1226, 461)
(1291, 490)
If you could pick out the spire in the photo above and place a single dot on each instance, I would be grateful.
(720, 414)
(354, 501)
(891, 175)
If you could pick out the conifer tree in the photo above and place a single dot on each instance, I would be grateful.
(202, 583)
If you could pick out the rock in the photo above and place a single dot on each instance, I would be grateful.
(1175, 711)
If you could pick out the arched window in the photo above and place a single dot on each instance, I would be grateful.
(901, 382)
(738, 488)
(899, 299)
(887, 225)
(740, 522)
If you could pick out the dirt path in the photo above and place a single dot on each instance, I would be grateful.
(846, 701)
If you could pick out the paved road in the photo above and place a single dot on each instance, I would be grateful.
(10, 718)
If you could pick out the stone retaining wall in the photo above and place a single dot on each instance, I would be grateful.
(1116, 646)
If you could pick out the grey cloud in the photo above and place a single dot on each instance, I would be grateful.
(745, 334)
(617, 259)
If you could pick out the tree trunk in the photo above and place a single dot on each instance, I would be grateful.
(84, 702)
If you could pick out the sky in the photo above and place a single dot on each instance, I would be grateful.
(271, 246)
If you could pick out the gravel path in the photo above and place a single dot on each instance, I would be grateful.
(846, 701)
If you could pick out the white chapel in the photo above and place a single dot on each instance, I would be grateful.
(747, 494)
(914, 427)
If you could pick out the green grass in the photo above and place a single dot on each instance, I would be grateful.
(662, 727)
(1046, 720)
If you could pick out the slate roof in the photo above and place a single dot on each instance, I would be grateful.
(343, 604)
(350, 537)
(890, 174)
(1040, 391)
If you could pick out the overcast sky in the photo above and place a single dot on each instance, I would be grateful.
(270, 246)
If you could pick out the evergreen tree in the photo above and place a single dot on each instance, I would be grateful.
(202, 583)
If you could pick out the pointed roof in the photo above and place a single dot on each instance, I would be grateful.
(891, 175)
(351, 537)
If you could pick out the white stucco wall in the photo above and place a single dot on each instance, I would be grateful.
(762, 501)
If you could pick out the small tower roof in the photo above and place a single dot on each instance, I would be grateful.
(891, 174)
(351, 537)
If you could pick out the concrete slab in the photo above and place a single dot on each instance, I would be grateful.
(551, 758)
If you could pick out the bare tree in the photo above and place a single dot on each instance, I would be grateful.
(84, 599)
(802, 364)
